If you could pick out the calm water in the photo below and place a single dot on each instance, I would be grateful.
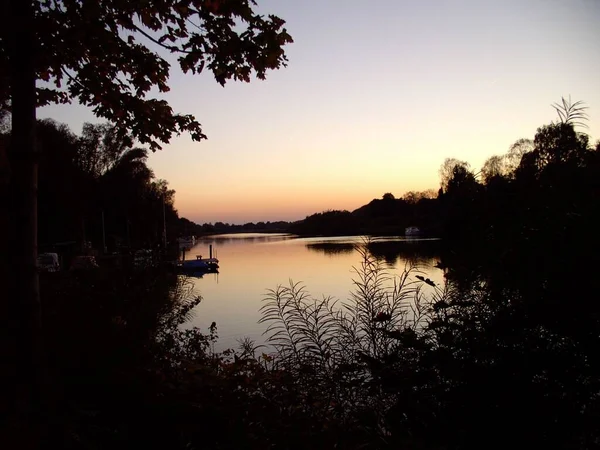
(250, 264)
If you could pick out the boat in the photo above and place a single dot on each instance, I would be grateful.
(48, 262)
(200, 264)
(186, 242)
(412, 231)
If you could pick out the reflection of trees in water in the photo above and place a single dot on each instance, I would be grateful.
(223, 240)
(331, 248)
(414, 252)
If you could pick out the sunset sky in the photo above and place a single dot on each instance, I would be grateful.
(376, 95)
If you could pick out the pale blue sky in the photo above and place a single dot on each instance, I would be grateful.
(376, 95)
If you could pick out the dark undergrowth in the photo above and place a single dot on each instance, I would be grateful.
(401, 363)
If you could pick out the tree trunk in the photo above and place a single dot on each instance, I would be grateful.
(26, 306)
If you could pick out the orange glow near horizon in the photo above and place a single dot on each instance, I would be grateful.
(373, 100)
(240, 201)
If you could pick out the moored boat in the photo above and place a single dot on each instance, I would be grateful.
(186, 242)
(412, 231)
(200, 264)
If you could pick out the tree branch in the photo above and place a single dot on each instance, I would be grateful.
(72, 78)
(167, 47)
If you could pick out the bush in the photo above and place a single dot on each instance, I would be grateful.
(457, 367)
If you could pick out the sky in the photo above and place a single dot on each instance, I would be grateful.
(375, 96)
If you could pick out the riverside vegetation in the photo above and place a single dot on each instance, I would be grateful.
(503, 354)
(402, 363)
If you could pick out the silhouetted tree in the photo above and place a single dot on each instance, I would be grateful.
(516, 153)
(66, 193)
(447, 170)
(559, 144)
(492, 167)
(97, 53)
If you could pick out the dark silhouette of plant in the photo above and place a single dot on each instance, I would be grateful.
(77, 193)
(571, 113)
(334, 351)
(515, 154)
(384, 216)
(447, 170)
(493, 167)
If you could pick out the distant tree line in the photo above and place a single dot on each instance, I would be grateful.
(553, 175)
(385, 216)
(249, 227)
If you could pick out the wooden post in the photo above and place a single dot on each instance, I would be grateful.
(103, 234)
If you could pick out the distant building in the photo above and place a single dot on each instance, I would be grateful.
(412, 231)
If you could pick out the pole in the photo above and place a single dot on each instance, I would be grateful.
(103, 234)
(25, 349)
(164, 224)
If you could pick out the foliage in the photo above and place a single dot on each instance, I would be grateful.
(385, 216)
(447, 169)
(450, 367)
(99, 176)
(72, 40)
(505, 351)
(571, 113)
(492, 167)
(332, 223)
(515, 154)
(333, 351)
(414, 197)
(153, 382)
(402, 363)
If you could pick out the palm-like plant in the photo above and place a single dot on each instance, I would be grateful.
(571, 113)
(102, 149)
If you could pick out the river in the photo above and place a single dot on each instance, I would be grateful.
(252, 263)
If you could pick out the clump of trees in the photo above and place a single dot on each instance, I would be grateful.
(385, 216)
(534, 203)
(472, 206)
(332, 223)
(97, 187)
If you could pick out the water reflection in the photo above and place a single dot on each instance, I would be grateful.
(245, 238)
(392, 250)
(250, 264)
(331, 248)
(412, 251)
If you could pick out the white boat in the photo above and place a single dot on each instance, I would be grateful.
(412, 231)
(186, 242)
(48, 262)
